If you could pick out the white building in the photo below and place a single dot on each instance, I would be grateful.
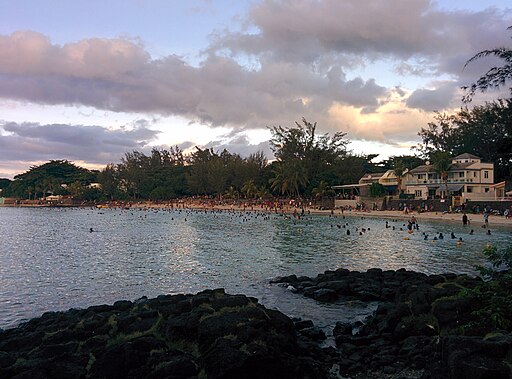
(468, 177)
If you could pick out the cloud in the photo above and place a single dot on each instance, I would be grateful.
(118, 75)
(294, 59)
(239, 144)
(433, 100)
(26, 142)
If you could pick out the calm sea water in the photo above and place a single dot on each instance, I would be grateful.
(50, 261)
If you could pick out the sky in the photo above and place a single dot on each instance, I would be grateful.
(88, 81)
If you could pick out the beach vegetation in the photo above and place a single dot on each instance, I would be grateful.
(304, 158)
(485, 130)
(377, 190)
(442, 163)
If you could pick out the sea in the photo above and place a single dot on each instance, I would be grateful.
(50, 260)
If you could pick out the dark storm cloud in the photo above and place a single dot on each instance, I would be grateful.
(94, 144)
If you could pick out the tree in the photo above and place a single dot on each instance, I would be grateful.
(231, 193)
(322, 191)
(249, 188)
(377, 190)
(351, 168)
(484, 130)
(289, 177)
(442, 163)
(48, 178)
(263, 192)
(109, 180)
(314, 157)
(496, 76)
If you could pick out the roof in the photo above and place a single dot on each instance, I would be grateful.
(458, 166)
(350, 186)
(466, 156)
(372, 175)
(422, 168)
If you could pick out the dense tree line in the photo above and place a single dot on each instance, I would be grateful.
(307, 164)
(484, 130)
(56, 177)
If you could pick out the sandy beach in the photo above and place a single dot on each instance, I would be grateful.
(476, 220)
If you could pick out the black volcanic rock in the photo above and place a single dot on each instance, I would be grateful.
(207, 335)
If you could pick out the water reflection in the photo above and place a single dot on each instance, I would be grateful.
(50, 261)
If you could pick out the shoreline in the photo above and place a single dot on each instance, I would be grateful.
(422, 328)
(476, 220)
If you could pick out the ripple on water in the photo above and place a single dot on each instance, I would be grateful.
(50, 261)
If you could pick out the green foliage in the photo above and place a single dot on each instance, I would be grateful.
(491, 300)
(304, 158)
(289, 177)
(48, 178)
(213, 173)
(159, 176)
(377, 190)
(484, 130)
(4, 183)
(351, 168)
(499, 259)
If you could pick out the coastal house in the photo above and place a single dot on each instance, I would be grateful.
(468, 178)
(387, 179)
(350, 194)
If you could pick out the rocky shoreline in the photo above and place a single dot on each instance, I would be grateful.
(419, 330)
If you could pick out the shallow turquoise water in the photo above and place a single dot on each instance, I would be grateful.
(50, 261)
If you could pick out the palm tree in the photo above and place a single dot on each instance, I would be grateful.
(231, 193)
(289, 177)
(399, 170)
(279, 182)
(249, 188)
(263, 192)
(496, 76)
(442, 163)
(321, 191)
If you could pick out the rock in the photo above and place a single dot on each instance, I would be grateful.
(314, 333)
(325, 295)
(303, 324)
(342, 329)
(476, 358)
(184, 336)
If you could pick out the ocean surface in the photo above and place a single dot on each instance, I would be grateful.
(50, 261)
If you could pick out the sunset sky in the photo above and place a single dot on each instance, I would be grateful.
(90, 80)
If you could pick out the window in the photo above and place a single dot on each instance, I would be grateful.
(486, 174)
(470, 189)
(474, 174)
(461, 174)
(417, 193)
(486, 189)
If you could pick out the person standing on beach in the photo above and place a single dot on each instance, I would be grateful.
(465, 219)
(486, 218)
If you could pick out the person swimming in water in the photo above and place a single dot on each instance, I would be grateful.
(91, 230)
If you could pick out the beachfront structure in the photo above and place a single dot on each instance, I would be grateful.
(468, 178)
(362, 189)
